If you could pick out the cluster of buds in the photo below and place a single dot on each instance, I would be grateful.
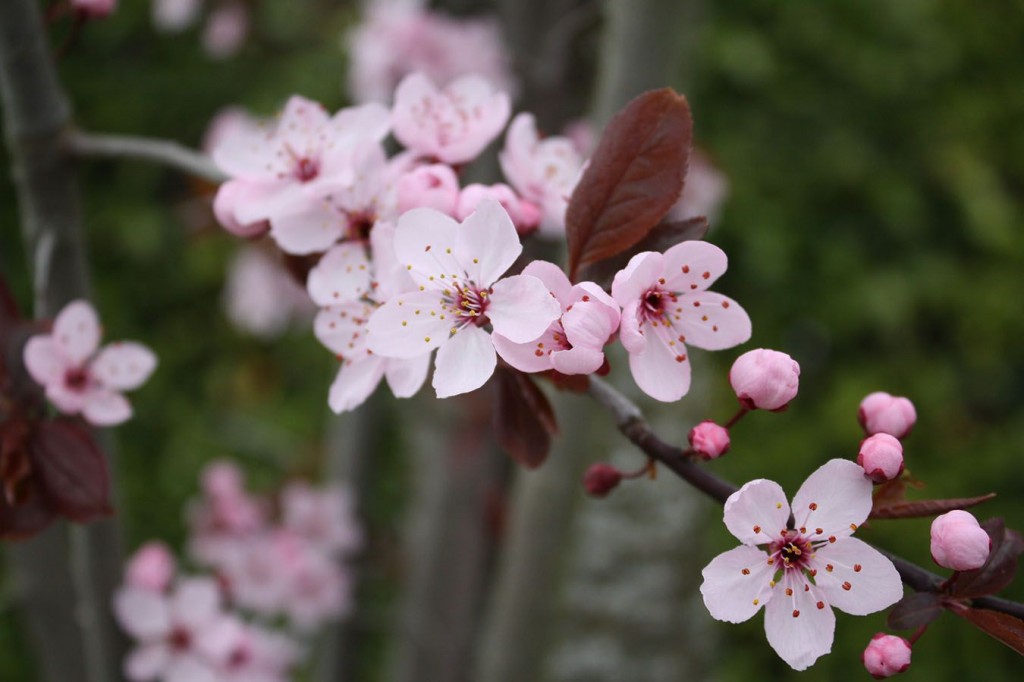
(259, 571)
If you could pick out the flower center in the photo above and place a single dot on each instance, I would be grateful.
(179, 639)
(76, 379)
(792, 551)
(468, 303)
(359, 225)
(306, 169)
(655, 303)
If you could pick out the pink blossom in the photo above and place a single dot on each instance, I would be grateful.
(95, 9)
(260, 297)
(765, 379)
(152, 567)
(225, 513)
(79, 376)
(260, 655)
(172, 16)
(581, 133)
(457, 267)
(226, 29)
(228, 122)
(544, 172)
(709, 440)
(341, 285)
(182, 637)
(666, 305)
(574, 343)
(452, 125)
(881, 455)
(289, 171)
(434, 186)
(958, 542)
(705, 190)
(886, 655)
(524, 214)
(326, 518)
(883, 413)
(821, 566)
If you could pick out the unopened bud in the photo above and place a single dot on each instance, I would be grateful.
(601, 479)
(959, 542)
(881, 455)
(765, 379)
(883, 413)
(886, 655)
(709, 440)
(152, 567)
(435, 186)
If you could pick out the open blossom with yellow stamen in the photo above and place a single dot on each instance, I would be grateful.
(800, 561)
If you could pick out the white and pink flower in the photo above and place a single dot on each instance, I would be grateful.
(457, 267)
(799, 570)
(78, 376)
(666, 305)
(573, 344)
(452, 125)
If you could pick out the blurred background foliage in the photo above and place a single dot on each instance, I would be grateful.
(875, 155)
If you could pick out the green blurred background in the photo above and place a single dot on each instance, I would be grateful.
(875, 156)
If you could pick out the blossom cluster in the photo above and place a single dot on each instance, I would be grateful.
(215, 626)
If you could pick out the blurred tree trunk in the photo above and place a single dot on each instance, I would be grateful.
(64, 577)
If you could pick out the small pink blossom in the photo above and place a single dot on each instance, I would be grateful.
(78, 376)
(709, 440)
(544, 172)
(152, 567)
(524, 214)
(434, 186)
(958, 542)
(452, 125)
(326, 517)
(886, 655)
(799, 571)
(765, 379)
(95, 9)
(181, 636)
(881, 455)
(574, 343)
(171, 16)
(666, 305)
(883, 413)
(226, 29)
(457, 267)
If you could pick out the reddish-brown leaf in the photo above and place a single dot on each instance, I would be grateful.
(662, 236)
(523, 419)
(915, 610)
(634, 177)
(71, 470)
(906, 509)
(1001, 626)
(1001, 566)
(24, 520)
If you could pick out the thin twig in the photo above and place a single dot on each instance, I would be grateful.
(163, 152)
(629, 420)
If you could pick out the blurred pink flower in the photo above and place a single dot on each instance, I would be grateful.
(260, 297)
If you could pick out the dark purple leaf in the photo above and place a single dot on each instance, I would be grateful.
(71, 470)
(1001, 566)
(907, 509)
(661, 237)
(1001, 626)
(523, 419)
(24, 520)
(915, 610)
(634, 177)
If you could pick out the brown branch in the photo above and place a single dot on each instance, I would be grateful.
(629, 420)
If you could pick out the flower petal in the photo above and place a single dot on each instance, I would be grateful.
(757, 513)
(142, 613)
(693, 266)
(630, 334)
(146, 662)
(343, 274)
(554, 279)
(861, 580)
(712, 321)
(588, 324)
(355, 382)
(123, 365)
(835, 498)
(522, 308)
(342, 328)
(487, 244)
(408, 325)
(76, 330)
(737, 584)
(195, 602)
(306, 226)
(658, 371)
(580, 360)
(642, 271)
(105, 408)
(798, 628)
(464, 363)
(424, 240)
(405, 377)
(532, 356)
(44, 360)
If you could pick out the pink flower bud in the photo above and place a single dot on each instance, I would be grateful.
(886, 655)
(881, 455)
(765, 379)
(958, 542)
(601, 479)
(709, 439)
(94, 9)
(228, 197)
(152, 567)
(435, 186)
(524, 214)
(884, 413)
